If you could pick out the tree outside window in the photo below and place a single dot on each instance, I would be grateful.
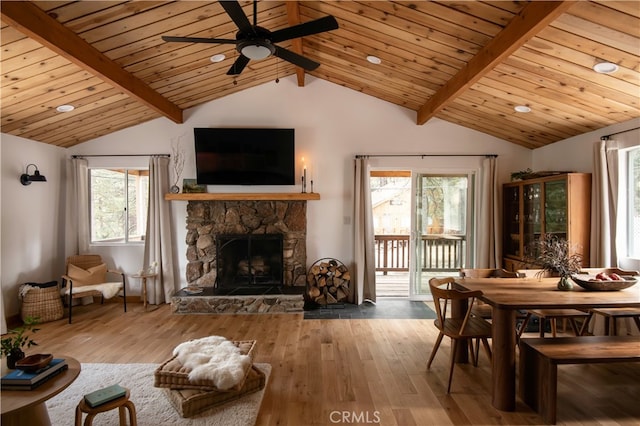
(118, 203)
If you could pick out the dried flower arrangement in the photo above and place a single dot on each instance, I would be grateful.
(177, 155)
(555, 255)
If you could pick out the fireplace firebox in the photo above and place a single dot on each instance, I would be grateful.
(246, 263)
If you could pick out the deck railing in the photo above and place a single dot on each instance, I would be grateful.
(438, 252)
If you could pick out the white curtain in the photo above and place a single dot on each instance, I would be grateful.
(488, 230)
(158, 244)
(603, 204)
(364, 239)
(79, 202)
(3, 325)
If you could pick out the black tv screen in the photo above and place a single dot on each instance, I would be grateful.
(235, 156)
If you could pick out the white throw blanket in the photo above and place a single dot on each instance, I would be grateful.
(108, 290)
(213, 358)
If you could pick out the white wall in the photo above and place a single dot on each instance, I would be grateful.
(332, 125)
(576, 153)
(32, 217)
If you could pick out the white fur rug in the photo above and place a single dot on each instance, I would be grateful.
(152, 406)
(213, 358)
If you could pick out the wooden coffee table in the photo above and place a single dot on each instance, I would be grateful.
(28, 407)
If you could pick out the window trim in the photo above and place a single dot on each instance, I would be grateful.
(625, 214)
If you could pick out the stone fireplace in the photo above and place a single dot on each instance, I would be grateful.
(216, 219)
(275, 228)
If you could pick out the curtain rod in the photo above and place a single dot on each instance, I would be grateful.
(605, 137)
(121, 155)
(425, 155)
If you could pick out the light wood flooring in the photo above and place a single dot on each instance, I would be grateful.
(352, 371)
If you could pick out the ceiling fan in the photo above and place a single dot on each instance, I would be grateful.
(255, 42)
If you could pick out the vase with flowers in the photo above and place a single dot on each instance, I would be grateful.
(556, 256)
(15, 340)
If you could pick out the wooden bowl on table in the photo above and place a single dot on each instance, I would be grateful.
(34, 362)
(590, 282)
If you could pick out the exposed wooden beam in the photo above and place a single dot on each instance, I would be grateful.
(293, 15)
(36, 24)
(531, 20)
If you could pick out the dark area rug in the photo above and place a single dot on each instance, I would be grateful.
(383, 309)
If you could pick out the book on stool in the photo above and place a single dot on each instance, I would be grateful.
(102, 396)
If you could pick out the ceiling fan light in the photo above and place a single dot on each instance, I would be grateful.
(256, 50)
(522, 108)
(605, 68)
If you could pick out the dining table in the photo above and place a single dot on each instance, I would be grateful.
(506, 296)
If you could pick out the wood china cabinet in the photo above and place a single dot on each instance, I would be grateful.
(558, 205)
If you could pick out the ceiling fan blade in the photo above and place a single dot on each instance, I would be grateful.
(237, 15)
(199, 40)
(327, 23)
(296, 59)
(238, 65)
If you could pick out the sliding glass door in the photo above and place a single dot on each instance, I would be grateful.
(441, 228)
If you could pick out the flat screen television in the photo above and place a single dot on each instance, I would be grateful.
(238, 156)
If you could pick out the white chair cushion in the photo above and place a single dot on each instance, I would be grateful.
(108, 290)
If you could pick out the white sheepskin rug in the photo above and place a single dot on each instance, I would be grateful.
(213, 358)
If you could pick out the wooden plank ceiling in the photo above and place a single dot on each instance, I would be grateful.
(466, 62)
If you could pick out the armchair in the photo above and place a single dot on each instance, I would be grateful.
(86, 275)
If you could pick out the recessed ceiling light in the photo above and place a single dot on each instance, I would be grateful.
(522, 108)
(605, 68)
(65, 108)
(374, 60)
(218, 58)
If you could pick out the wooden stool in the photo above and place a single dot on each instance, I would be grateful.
(119, 403)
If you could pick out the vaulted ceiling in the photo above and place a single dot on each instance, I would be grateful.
(466, 62)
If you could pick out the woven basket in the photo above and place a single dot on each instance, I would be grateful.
(42, 303)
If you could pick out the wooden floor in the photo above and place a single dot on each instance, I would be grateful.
(328, 372)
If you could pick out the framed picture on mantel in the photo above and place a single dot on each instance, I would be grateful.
(191, 186)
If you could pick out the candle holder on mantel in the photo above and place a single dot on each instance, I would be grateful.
(304, 181)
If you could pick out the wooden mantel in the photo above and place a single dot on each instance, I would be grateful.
(244, 196)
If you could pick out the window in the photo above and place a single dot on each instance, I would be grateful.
(118, 205)
(631, 164)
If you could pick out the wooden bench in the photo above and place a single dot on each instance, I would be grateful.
(539, 360)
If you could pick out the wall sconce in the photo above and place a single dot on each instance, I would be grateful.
(26, 178)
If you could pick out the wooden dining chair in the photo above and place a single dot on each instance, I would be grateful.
(612, 315)
(468, 327)
(552, 315)
(488, 273)
(481, 309)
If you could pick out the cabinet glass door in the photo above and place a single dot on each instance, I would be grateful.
(532, 221)
(555, 204)
(511, 244)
